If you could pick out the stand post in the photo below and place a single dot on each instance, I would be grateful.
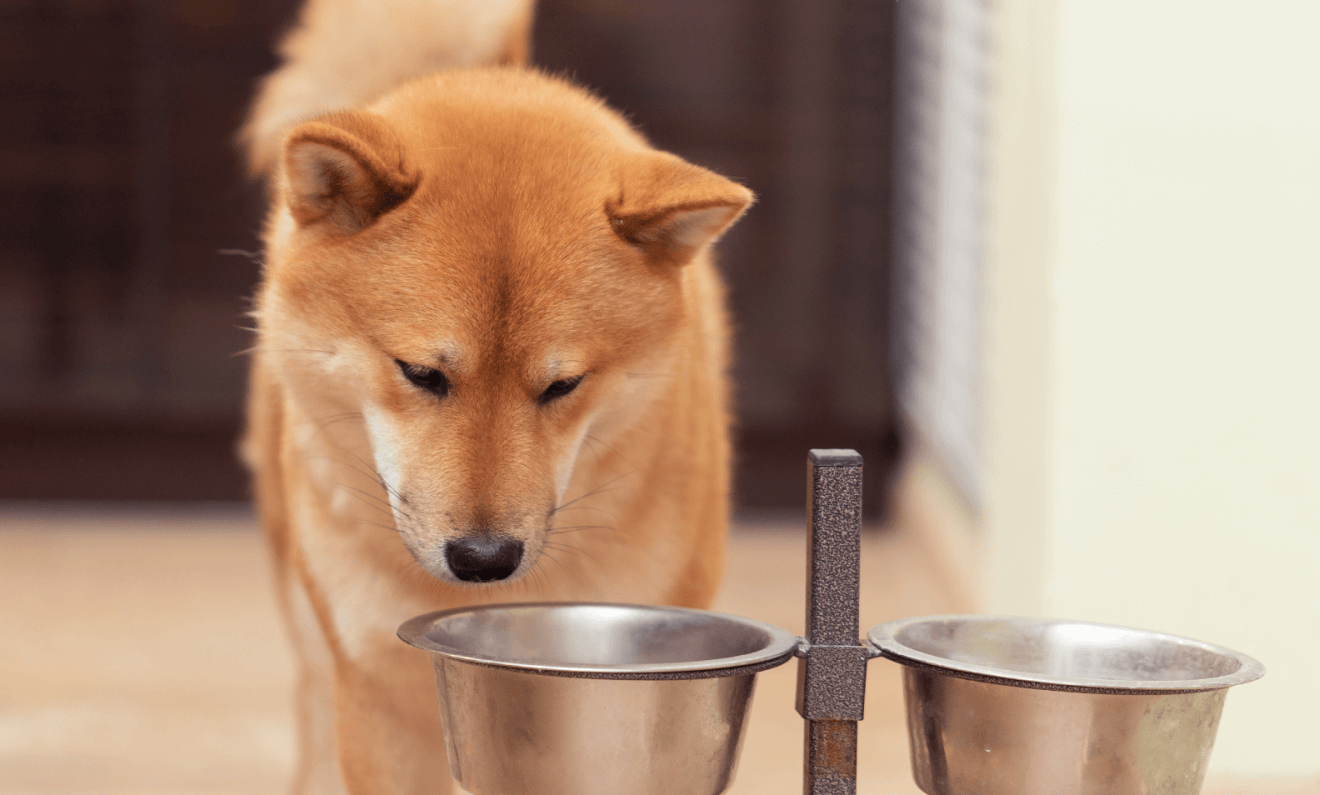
(832, 661)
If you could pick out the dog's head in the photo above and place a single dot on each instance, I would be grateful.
(485, 261)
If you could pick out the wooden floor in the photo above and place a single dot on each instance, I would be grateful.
(140, 655)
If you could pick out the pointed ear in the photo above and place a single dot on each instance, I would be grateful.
(345, 170)
(671, 209)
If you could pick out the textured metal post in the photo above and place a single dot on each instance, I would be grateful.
(832, 667)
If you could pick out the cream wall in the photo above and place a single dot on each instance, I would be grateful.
(1153, 337)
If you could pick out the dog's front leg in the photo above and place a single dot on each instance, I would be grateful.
(317, 770)
(387, 724)
(318, 767)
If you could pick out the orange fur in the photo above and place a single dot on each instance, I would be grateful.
(506, 229)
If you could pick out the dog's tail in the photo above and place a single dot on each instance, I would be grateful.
(346, 53)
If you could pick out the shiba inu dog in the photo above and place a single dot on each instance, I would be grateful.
(490, 366)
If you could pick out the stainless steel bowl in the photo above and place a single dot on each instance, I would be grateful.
(1015, 706)
(579, 699)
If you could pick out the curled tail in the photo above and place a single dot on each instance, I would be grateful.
(346, 53)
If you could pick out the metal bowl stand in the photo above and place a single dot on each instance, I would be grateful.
(832, 659)
(832, 663)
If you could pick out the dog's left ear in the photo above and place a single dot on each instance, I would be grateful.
(345, 170)
(671, 209)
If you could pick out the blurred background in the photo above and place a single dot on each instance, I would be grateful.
(131, 233)
(1050, 265)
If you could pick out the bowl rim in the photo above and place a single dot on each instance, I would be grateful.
(883, 639)
(780, 647)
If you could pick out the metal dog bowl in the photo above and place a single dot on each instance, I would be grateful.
(1012, 705)
(578, 699)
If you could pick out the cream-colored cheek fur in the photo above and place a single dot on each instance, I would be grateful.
(384, 447)
(568, 461)
(324, 382)
(633, 395)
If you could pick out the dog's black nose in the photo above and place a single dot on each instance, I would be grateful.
(483, 558)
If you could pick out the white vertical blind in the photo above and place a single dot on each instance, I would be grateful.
(939, 225)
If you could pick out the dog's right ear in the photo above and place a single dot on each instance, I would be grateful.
(671, 209)
(345, 170)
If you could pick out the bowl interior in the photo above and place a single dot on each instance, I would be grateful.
(1066, 652)
(593, 636)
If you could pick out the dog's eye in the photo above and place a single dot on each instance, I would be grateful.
(425, 377)
(558, 389)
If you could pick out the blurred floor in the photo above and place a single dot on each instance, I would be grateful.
(141, 654)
